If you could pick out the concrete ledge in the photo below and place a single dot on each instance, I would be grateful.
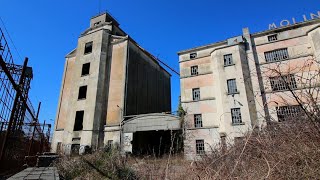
(205, 99)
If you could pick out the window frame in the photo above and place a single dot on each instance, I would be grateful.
(272, 38)
(194, 70)
(198, 123)
(276, 55)
(196, 94)
(236, 118)
(200, 149)
(228, 58)
(285, 113)
(232, 86)
(283, 82)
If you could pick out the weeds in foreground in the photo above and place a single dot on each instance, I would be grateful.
(288, 150)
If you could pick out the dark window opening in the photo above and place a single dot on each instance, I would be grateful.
(78, 121)
(197, 120)
(236, 116)
(228, 61)
(196, 94)
(97, 23)
(289, 112)
(88, 48)
(272, 37)
(85, 69)
(193, 55)
(194, 70)
(82, 92)
(283, 83)
(200, 147)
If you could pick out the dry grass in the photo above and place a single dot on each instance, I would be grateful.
(99, 165)
(281, 151)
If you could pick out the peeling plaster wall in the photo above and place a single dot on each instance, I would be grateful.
(252, 73)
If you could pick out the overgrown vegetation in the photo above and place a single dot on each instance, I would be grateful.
(287, 150)
(99, 165)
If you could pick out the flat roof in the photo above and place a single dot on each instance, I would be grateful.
(257, 34)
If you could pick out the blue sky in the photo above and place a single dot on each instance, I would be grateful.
(46, 30)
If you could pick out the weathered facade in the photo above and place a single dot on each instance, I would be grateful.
(233, 86)
(108, 76)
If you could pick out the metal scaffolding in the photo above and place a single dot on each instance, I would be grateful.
(21, 134)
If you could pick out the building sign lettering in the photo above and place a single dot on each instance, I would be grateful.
(287, 22)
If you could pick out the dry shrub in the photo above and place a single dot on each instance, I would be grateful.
(166, 167)
(287, 150)
(99, 165)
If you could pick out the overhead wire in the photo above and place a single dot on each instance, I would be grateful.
(6, 30)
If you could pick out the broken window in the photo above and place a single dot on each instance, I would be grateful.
(78, 121)
(196, 94)
(273, 37)
(82, 92)
(194, 70)
(232, 86)
(282, 83)
(288, 112)
(85, 69)
(193, 55)
(277, 55)
(228, 60)
(236, 116)
(200, 147)
(88, 48)
(197, 120)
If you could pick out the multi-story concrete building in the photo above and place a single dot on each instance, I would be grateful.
(233, 86)
(106, 78)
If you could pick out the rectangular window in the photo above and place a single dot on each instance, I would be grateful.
(110, 143)
(196, 94)
(288, 112)
(232, 86)
(85, 69)
(273, 37)
(194, 70)
(200, 147)
(193, 55)
(88, 48)
(82, 92)
(197, 120)
(282, 83)
(277, 55)
(236, 116)
(228, 60)
(78, 121)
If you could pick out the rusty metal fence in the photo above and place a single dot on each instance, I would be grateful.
(21, 134)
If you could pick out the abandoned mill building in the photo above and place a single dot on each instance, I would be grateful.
(244, 82)
(113, 92)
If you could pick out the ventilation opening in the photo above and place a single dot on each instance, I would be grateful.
(78, 121)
